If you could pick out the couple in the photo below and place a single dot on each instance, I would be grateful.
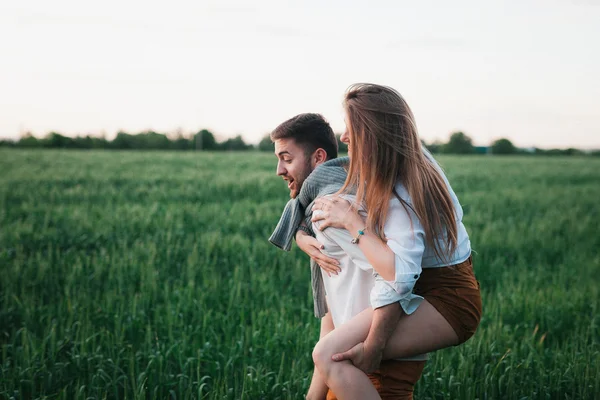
(390, 258)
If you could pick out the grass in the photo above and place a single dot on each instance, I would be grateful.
(148, 275)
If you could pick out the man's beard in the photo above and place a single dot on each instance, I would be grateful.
(297, 184)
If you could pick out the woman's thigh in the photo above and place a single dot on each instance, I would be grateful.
(349, 334)
(423, 331)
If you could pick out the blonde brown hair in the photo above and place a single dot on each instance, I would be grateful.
(385, 149)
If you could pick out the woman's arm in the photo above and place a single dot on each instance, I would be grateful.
(399, 257)
(377, 253)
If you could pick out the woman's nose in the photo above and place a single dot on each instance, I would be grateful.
(345, 137)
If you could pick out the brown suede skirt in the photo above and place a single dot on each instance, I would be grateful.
(395, 379)
(454, 292)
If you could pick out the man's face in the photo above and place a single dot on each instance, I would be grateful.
(293, 164)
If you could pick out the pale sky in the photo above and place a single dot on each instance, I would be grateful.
(521, 69)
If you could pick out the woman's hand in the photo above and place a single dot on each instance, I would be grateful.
(312, 247)
(336, 212)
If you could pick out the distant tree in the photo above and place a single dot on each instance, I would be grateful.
(237, 143)
(435, 147)
(537, 151)
(83, 142)
(56, 140)
(266, 144)
(459, 143)
(563, 152)
(208, 140)
(7, 143)
(100, 142)
(180, 142)
(560, 152)
(573, 152)
(503, 146)
(342, 147)
(123, 140)
(28, 140)
(205, 140)
(151, 140)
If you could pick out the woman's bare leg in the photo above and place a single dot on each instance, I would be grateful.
(318, 387)
(343, 378)
(423, 331)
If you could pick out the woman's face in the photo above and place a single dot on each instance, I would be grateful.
(345, 138)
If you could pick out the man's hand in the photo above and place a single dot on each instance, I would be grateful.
(364, 358)
(312, 247)
(368, 354)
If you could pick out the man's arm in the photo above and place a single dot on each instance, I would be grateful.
(318, 388)
(385, 321)
(368, 355)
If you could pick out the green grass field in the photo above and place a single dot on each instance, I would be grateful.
(148, 275)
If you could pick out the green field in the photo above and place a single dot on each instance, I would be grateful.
(149, 275)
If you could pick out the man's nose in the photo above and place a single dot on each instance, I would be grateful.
(280, 169)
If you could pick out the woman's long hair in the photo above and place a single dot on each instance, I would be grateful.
(384, 149)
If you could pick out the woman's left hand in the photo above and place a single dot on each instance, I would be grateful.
(337, 212)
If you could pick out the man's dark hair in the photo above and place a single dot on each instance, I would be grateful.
(310, 131)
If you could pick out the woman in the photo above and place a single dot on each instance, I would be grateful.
(413, 230)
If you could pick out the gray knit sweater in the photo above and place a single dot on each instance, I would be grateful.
(327, 178)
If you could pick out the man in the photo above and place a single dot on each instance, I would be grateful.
(302, 144)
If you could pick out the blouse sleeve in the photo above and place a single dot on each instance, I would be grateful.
(406, 239)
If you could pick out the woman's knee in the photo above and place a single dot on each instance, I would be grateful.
(322, 357)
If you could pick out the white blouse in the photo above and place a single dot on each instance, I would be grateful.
(406, 239)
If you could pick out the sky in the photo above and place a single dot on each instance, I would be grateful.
(525, 70)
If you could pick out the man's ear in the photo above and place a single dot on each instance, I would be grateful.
(319, 157)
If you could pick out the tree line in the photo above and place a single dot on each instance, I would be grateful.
(458, 143)
(147, 140)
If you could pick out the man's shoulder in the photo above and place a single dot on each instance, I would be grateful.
(326, 178)
(336, 162)
(333, 167)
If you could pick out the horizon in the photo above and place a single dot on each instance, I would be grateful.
(517, 70)
(219, 138)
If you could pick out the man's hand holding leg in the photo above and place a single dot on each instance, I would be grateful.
(368, 355)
